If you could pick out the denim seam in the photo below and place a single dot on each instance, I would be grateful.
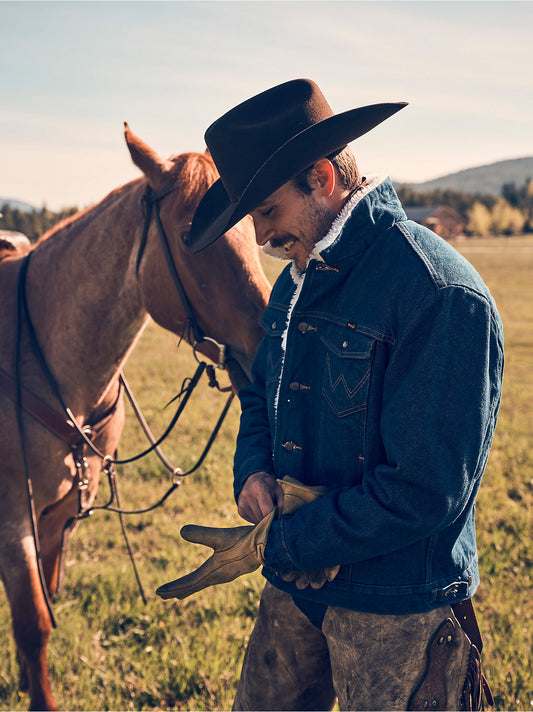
(410, 239)
(285, 545)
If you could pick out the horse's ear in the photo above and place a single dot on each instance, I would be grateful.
(155, 168)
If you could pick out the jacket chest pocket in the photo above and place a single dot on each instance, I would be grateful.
(347, 367)
(341, 447)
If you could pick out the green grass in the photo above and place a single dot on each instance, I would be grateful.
(111, 652)
(505, 503)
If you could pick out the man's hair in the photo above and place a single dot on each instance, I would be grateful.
(346, 165)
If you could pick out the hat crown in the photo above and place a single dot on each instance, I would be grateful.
(254, 130)
(264, 142)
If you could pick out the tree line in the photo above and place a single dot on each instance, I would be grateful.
(33, 223)
(507, 214)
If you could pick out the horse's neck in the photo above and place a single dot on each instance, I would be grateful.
(84, 299)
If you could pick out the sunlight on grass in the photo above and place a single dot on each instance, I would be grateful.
(110, 652)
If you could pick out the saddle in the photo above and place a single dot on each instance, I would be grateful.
(13, 244)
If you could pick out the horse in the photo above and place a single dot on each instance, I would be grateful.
(13, 242)
(70, 317)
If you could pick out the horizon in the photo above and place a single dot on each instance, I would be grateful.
(171, 68)
(8, 199)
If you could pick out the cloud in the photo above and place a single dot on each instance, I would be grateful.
(171, 68)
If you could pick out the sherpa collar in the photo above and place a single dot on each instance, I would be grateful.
(334, 231)
(337, 225)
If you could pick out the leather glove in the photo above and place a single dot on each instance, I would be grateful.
(316, 578)
(295, 496)
(236, 551)
(240, 550)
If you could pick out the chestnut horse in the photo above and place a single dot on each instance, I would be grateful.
(90, 287)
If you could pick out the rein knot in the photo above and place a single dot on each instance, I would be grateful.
(213, 383)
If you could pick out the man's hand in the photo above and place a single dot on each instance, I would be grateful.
(258, 497)
(240, 550)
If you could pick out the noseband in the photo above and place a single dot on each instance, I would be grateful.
(150, 206)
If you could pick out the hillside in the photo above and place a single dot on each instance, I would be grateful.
(486, 179)
(17, 205)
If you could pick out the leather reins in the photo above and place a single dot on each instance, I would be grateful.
(77, 436)
(149, 206)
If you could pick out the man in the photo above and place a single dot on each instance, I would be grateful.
(366, 430)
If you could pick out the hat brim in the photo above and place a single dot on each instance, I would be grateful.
(216, 213)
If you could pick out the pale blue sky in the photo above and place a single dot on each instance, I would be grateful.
(72, 72)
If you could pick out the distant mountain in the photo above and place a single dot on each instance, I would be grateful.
(483, 179)
(17, 205)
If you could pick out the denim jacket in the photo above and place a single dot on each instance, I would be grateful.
(380, 377)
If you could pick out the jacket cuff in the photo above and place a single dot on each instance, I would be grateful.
(277, 555)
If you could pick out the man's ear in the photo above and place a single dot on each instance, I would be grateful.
(323, 177)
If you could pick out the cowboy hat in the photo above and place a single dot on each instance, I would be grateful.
(262, 143)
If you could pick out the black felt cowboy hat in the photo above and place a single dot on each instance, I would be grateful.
(267, 140)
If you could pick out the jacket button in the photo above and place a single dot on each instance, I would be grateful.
(295, 386)
(345, 344)
(274, 325)
(289, 446)
(303, 326)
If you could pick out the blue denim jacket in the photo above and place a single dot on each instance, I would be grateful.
(387, 392)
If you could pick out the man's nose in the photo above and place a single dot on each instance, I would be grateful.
(263, 232)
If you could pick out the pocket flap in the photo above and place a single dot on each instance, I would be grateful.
(273, 321)
(345, 342)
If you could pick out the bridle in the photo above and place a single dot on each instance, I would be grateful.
(150, 206)
(79, 437)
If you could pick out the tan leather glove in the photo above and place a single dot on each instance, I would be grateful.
(316, 578)
(240, 550)
(236, 551)
(295, 496)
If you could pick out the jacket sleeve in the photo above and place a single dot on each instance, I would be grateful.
(440, 398)
(254, 446)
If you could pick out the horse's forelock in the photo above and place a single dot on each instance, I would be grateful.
(195, 173)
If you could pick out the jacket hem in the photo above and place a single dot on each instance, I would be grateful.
(369, 599)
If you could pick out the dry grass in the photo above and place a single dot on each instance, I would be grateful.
(112, 652)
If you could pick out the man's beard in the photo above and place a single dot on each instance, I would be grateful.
(316, 223)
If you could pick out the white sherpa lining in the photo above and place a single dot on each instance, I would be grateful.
(337, 225)
(331, 236)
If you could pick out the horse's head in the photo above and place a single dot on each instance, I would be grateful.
(225, 283)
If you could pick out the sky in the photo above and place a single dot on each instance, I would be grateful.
(72, 72)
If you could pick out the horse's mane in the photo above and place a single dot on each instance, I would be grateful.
(62, 224)
(195, 172)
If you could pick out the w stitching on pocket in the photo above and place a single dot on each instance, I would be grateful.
(342, 404)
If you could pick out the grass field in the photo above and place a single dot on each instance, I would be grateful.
(111, 652)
